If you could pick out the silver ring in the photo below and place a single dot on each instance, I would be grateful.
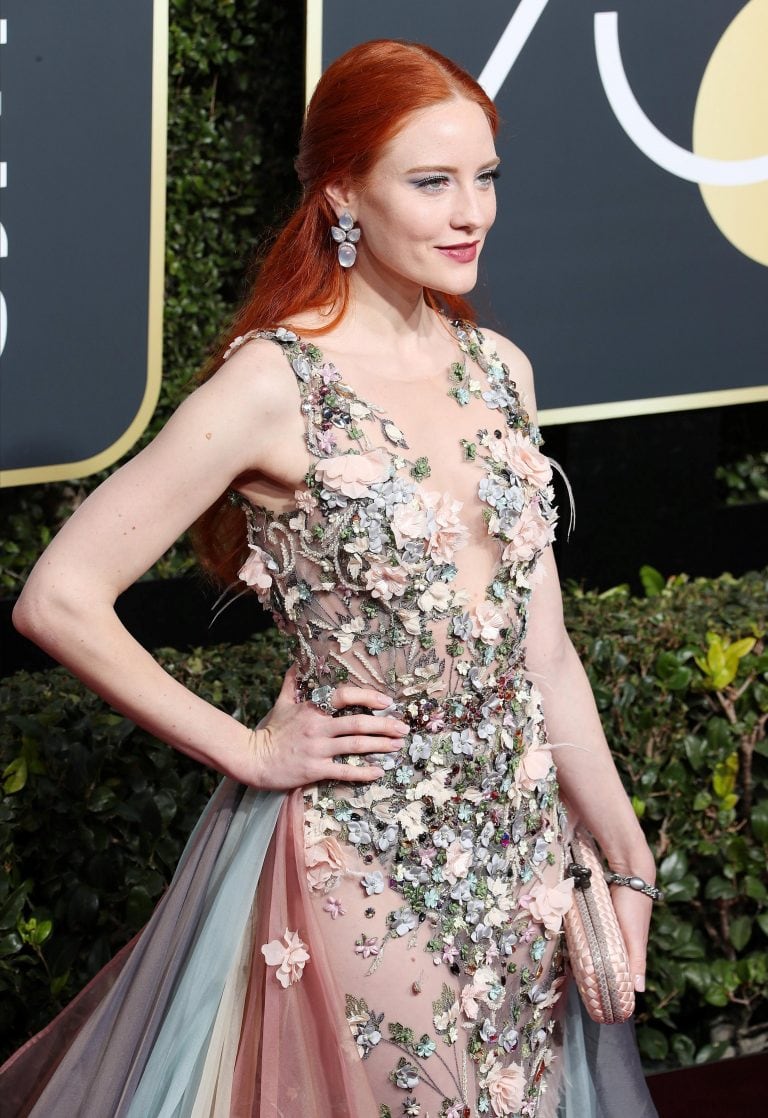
(322, 697)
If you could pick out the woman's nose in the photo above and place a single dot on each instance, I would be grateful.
(469, 212)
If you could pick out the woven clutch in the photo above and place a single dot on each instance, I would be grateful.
(596, 949)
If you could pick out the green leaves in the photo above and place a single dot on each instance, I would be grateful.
(740, 932)
(745, 481)
(724, 781)
(681, 681)
(653, 1044)
(651, 580)
(672, 670)
(15, 775)
(720, 665)
(35, 931)
(678, 884)
(759, 821)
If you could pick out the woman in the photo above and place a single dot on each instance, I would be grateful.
(386, 938)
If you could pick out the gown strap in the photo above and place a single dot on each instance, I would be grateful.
(306, 361)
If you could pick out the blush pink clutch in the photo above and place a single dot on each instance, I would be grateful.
(596, 950)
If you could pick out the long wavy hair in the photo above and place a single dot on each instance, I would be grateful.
(361, 102)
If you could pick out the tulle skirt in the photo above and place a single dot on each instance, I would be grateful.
(182, 1023)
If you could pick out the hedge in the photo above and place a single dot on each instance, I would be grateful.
(95, 811)
(745, 481)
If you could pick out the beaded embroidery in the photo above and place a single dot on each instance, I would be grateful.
(465, 826)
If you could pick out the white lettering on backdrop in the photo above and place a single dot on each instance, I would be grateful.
(641, 131)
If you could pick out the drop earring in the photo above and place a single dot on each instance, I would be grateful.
(346, 235)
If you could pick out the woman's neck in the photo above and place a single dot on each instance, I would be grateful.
(386, 312)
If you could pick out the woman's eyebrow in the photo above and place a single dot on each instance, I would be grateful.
(492, 162)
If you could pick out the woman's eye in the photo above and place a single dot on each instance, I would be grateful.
(487, 177)
(432, 183)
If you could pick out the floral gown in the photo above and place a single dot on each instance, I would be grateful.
(439, 888)
(380, 950)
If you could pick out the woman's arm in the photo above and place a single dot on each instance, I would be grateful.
(243, 417)
(587, 775)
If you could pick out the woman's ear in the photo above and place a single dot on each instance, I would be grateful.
(342, 196)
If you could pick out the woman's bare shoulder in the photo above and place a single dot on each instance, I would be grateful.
(237, 415)
(257, 378)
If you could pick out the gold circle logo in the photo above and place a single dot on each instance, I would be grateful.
(731, 122)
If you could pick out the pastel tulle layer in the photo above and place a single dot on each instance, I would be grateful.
(183, 1024)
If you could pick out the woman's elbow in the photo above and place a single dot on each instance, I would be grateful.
(47, 609)
(548, 655)
(34, 613)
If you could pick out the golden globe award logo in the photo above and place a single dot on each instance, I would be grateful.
(730, 129)
(731, 122)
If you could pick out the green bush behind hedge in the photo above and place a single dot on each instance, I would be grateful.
(95, 811)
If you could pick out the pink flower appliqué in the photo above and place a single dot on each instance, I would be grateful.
(334, 908)
(325, 863)
(524, 459)
(352, 474)
(447, 534)
(506, 1087)
(409, 521)
(457, 862)
(473, 994)
(326, 442)
(534, 766)
(305, 500)
(487, 621)
(367, 946)
(255, 574)
(385, 581)
(437, 596)
(434, 518)
(549, 904)
(290, 957)
(529, 535)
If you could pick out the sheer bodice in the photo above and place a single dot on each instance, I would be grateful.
(407, 570)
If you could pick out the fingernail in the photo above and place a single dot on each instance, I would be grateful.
(404, 726)
(640, 983)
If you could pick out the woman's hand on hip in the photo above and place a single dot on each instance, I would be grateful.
(296, 743)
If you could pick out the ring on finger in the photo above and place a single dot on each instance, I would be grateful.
(322, 697)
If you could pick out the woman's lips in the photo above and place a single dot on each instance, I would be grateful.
(464, 254)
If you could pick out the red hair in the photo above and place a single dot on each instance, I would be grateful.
(360, 103)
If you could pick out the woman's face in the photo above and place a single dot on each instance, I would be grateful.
(430, 200)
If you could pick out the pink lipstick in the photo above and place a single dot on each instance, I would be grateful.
(462, 254)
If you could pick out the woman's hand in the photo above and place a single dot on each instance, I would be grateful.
(634, 914)
(296, 743)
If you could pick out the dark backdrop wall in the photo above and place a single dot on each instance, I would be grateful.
(608, 262)
(610, 269)
(645, 486)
